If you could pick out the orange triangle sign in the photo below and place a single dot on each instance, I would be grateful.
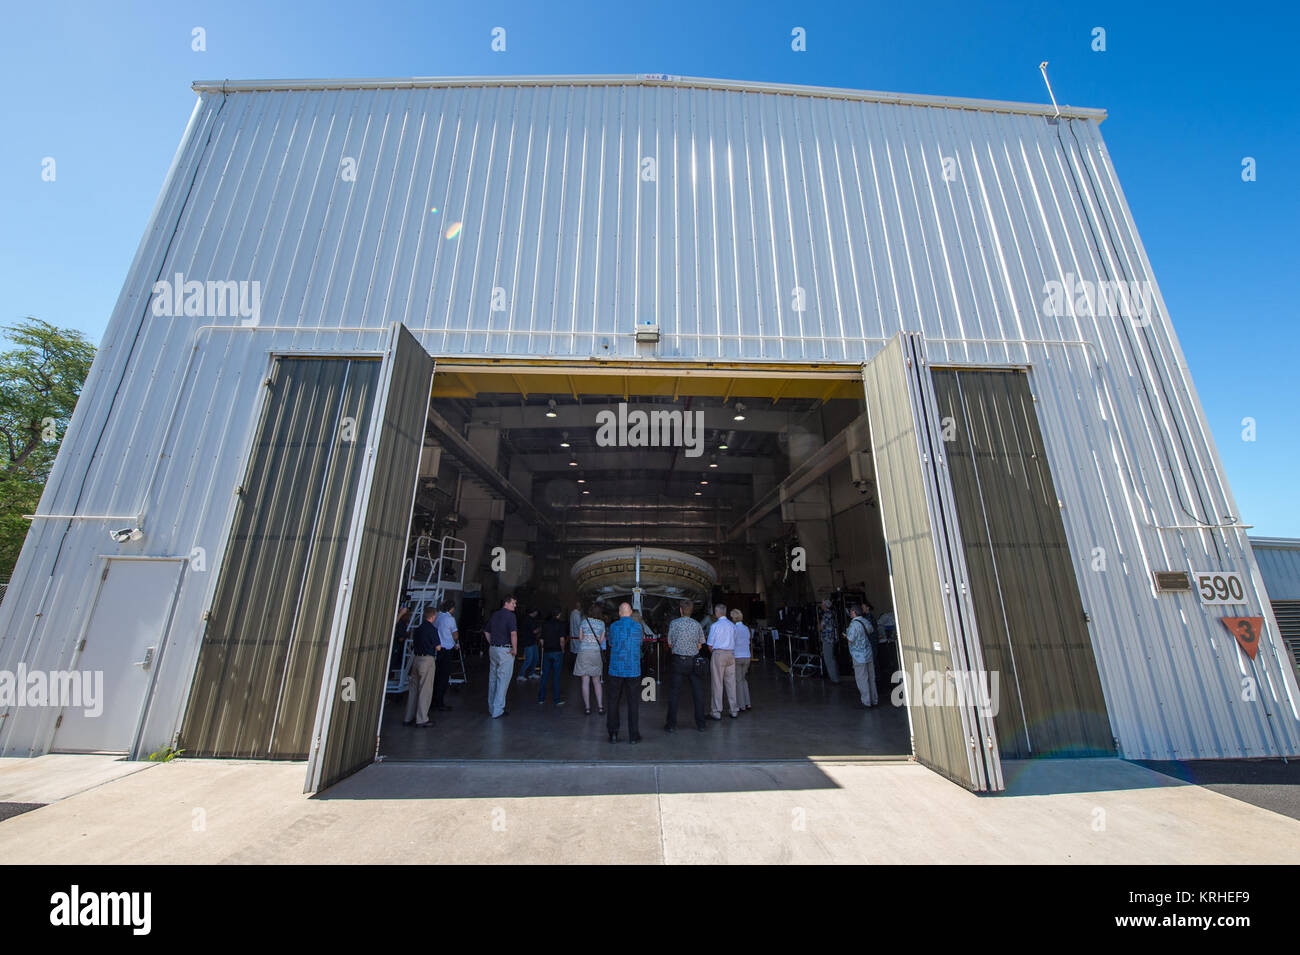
(1247, 631)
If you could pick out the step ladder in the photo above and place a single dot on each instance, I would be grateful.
(436, 569)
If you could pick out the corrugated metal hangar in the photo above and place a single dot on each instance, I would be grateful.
(366, 341)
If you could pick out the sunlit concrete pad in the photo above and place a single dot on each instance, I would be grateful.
(1096, 811)
(1063, 811)
(52, 777)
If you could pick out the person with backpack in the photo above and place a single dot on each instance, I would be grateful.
(864, 661)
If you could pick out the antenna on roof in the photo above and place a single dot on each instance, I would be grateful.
(1042, 68)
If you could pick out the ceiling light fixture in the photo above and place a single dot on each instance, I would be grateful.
(550, 408)
(564, 439)
(740, 412)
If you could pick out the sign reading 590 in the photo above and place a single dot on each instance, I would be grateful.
(1220, 587)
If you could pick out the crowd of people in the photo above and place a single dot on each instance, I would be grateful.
(712, 656)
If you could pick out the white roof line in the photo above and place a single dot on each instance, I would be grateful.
(1288, 543)
(646, 79)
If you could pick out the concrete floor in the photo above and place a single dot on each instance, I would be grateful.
(792, 718)
(1267, 783)
(27, 784)
(1102, 811)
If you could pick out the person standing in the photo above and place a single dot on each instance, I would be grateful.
(448, 645)
(529, 645)
(400, 631)
(828, 634)
(864, 665)
(575, 624)
(589, 664)
(502, 635)
(685, 637)
(420, 691)
(624, 672)
(722, 662)
(552, 640)
(743, 659)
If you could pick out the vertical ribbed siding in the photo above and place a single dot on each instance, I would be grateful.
(1279, 566)
(756, 194)
(1031, 620)
(263, 653)
(348, 723)
(941, 735)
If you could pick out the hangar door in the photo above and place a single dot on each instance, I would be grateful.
(1032, 627)
(939, 650)
(307, 593)
(263, 651)
(356, 665)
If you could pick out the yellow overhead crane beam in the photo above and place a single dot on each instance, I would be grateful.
(471, 377)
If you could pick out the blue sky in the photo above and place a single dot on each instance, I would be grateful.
(1191, 90)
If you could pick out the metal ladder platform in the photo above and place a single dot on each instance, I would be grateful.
(435, 570)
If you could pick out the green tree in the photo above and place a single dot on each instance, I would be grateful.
(40, 380)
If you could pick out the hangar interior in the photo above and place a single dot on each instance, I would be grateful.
(763, 473)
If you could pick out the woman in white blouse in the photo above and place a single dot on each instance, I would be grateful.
(743, 658)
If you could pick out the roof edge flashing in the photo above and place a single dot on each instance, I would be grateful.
(648, 79)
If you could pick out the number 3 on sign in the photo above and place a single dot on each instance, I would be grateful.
(1220, 587)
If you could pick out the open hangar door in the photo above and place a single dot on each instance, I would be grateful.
(293, 656)
(517, 471)
(984, 586)
(970, 561)
(356, 667)
(937, 637)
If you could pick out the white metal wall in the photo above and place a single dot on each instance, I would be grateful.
(771, 225)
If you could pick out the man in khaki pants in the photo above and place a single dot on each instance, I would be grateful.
(420, 692)
(722, 662)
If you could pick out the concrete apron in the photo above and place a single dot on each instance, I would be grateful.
(1068, 811)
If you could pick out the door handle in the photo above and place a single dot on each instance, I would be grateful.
(147, 662)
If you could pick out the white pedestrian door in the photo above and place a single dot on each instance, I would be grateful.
(118, 655)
